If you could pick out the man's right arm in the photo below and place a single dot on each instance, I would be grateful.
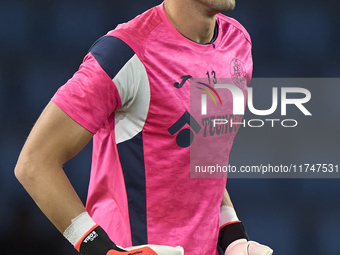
(54, 139)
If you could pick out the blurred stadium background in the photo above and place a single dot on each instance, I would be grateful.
(42, 44)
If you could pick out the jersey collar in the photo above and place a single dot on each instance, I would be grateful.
(199, 46)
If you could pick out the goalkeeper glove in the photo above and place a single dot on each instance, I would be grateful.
(244, 247)
(233, 238)
(95, 241)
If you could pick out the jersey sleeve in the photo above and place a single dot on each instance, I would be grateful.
(91, 96)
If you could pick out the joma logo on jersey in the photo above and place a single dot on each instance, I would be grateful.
(239, 100)
(91, 237)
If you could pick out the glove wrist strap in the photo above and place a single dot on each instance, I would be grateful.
(96, 241)
(87, 237)
(231, 232)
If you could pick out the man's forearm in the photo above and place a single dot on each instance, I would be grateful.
(54, 139)
(52, 192)
(226, 199)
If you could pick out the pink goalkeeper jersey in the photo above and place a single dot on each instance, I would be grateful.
(133, 93)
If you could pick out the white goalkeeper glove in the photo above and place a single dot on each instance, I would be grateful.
(244, 247)
(233, 238)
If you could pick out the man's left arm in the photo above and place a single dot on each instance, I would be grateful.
(233, 238)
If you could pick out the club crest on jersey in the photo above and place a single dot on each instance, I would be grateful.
(237, 72)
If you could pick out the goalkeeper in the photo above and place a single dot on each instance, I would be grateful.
(132, 96)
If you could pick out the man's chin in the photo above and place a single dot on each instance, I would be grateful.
(226, 7)
(231, 6)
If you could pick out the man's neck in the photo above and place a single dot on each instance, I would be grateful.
(191, 20)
